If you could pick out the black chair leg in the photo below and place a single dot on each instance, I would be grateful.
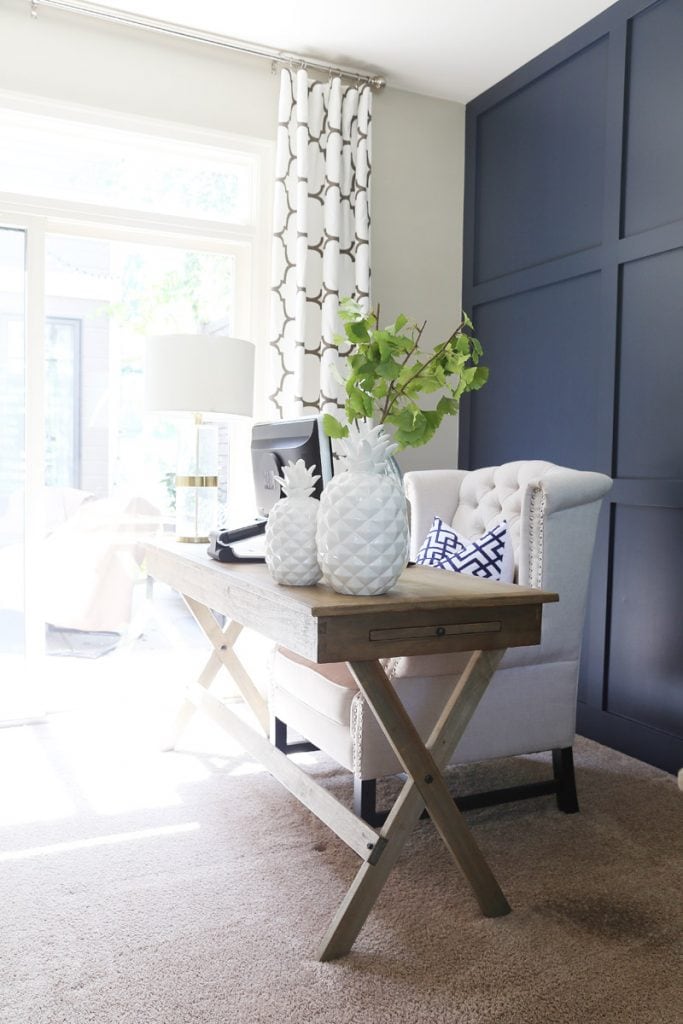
(365, 802)
(563, 770)
(282, 743)
(280, 737)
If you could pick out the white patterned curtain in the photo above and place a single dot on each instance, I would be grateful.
(321, 245)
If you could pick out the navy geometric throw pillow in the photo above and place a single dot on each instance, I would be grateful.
(489, 556)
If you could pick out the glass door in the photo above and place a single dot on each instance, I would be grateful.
(85, 473)
(17, 697)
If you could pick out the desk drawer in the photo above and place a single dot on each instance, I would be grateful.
(362, 638)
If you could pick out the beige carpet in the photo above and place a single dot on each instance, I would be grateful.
(138, 887)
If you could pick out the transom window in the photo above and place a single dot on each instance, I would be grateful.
(73, 162)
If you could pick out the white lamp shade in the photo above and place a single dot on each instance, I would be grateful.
(199, 373)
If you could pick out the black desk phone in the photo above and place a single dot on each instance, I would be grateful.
(243, 544)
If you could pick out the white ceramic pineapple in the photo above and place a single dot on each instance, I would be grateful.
(291, 553)
(363, 522)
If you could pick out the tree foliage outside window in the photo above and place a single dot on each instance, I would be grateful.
(178, 292)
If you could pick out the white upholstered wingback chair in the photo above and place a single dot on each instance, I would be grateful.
(530, 704)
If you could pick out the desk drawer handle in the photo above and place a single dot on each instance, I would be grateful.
(448, 629)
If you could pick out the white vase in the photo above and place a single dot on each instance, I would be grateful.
(363, 533)
(291, 550)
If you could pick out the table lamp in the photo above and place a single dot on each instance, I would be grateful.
(199, 374)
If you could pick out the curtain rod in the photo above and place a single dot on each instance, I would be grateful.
(224, 42)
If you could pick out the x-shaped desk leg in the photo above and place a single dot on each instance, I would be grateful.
(223, 655)
(425, 788)
(423, 762)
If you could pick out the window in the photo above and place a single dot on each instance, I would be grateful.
(48, 156)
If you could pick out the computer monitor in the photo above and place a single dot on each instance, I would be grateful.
(275, 444)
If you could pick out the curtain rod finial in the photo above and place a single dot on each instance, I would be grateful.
(378, 82)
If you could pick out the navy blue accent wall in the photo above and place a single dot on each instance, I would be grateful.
(573, 275)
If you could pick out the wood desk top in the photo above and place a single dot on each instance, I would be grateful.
(428, 611)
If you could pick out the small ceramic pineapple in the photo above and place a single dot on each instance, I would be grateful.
(291, 528)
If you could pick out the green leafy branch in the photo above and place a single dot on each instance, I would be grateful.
(388, 374)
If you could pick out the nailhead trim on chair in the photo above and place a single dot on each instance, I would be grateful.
(390, 665)
(357, 709)
(357, 730)
(536, 523)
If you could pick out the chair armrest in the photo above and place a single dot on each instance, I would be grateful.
(569, 488)
(430, 492)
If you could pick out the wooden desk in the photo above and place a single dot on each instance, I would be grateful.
(427, 612)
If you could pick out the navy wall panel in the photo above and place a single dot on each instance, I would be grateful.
(653, 195)
(573, 271)
(646, 589)
(649, 436)
(539, 191)
(535, 338)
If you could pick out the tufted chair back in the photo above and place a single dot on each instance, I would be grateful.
(487, 496)
(551, 513)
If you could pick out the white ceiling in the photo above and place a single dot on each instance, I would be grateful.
(453, 49)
